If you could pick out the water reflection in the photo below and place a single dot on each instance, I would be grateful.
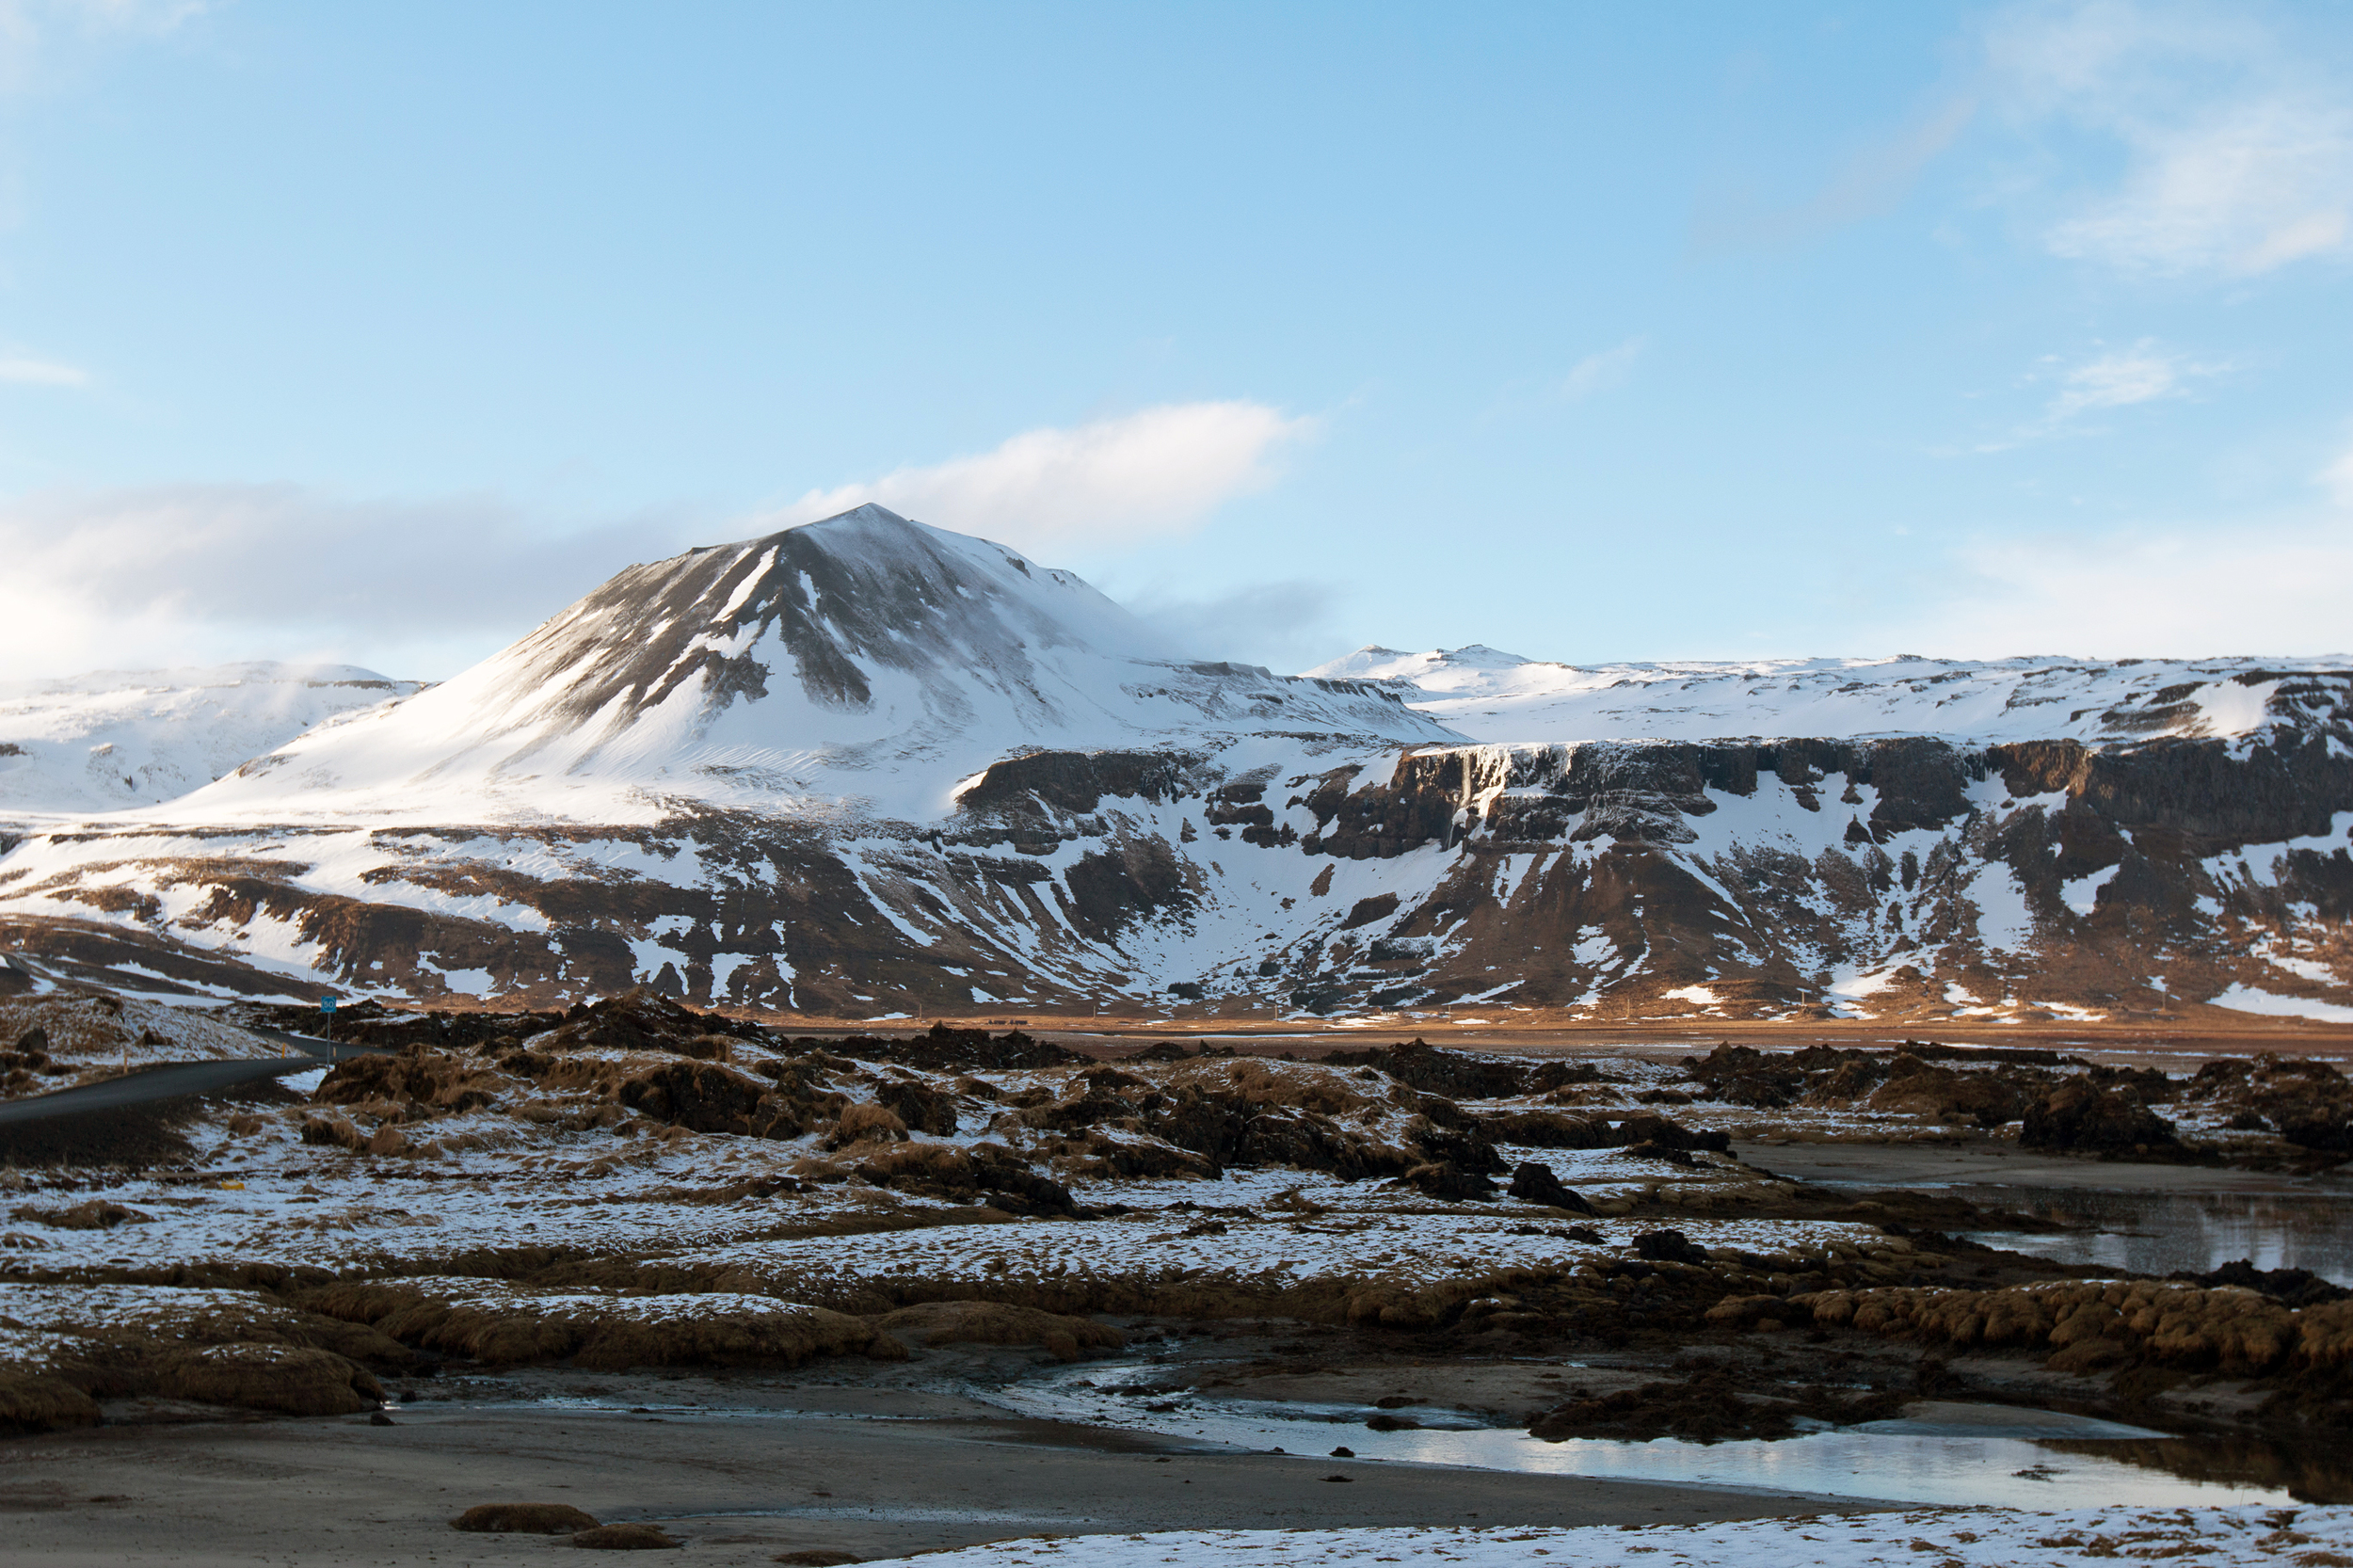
(2308, 1474)
(2158, 1233)
(1886, 1465)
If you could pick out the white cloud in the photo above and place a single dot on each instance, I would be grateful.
(2237, 144)
(200, 574)
(1114, 481)
(2117, 380)
(42, 373)
(1600, 371)
(2265, 588)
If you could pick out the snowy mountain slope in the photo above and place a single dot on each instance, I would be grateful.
(119, 738)
(865, 659)
(866, 767)
(1493, 695)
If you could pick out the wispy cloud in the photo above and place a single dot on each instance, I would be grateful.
(2115, 378)
(1600, 371)
(1871, 181)
(2120, 379)
(26, 371)
(32, 30)
(2254, 587)
(1112, 481)
(198, 573)
(2237, 147)
(1284, 626)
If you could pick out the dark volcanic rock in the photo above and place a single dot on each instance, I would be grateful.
(941, 1048)
(1709, 1408)
(1535, 1183)
(710, 1098)
(1442, 1180)
(2083, 1117)
(2307, 1102)
(2295, 1287)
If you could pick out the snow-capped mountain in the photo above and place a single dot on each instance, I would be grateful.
(1492, 696)
(866, 767)
(121, 738)
(865, 661)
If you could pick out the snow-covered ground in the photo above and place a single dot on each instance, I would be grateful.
(114, 738)
(1492, 696)
(1939, 1538)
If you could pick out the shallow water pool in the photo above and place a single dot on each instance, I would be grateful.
(2158, 1232)
(1951, 1454)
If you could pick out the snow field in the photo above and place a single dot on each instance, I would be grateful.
(1493, 695)
(1938, 1538)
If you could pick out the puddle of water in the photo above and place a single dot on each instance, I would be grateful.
(2016, 1464)
(2156, 1233)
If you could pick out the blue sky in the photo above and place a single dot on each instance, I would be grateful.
(1591, 331)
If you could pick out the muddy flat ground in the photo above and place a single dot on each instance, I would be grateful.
(2123, 1044)
(865, 1471)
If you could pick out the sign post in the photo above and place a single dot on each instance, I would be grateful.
(326, 1007)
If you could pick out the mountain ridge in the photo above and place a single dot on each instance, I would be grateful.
(868, 768)
(862, 656)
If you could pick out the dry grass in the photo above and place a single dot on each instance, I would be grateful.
(997, 1323)
(523, 1519)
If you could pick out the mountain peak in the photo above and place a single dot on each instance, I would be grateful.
(864, 643)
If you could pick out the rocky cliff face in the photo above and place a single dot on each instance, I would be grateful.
(866, 768)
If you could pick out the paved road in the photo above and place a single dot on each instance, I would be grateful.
(169, 1081)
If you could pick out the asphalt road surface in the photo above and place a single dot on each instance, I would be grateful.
(173, 1079)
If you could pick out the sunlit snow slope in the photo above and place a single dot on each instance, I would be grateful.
(120, 737)
(864, 661)
(1493, 695)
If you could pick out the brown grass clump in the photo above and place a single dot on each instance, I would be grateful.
(523, 1519)
(511, 1324)
(997, 1324)
(623, 1538)
(816, 1557)
(2090, 1325)
(290, 1379)
(127, 1332)
(1299, 1085)
(865, 1120)
(97, 1214)
(32, 1402)
(943, 1162)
